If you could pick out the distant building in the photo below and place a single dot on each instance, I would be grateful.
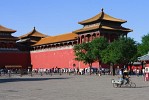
(10, 55)
(145, 60)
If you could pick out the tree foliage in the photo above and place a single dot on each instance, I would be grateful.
(143, 48)
(98, 46)
(111, 54)
(121, 51)
(84, 53)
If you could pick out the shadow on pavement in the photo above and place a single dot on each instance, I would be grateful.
(142, 87)
(28, 79)
(137, 87)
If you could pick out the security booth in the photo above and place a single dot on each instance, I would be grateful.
(145, 65)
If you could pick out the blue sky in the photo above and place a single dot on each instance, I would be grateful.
(53, 17)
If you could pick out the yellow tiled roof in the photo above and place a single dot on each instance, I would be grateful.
(4, 29)
(35, 33)
(97, 27)
(102, 16)
(58, 38)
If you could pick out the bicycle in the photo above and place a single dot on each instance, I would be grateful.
(121, 83)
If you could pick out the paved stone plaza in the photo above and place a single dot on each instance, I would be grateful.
(71, 87)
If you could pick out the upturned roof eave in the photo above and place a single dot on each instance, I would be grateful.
(34, 31)
(6, 30)
(85, 23)
(57, 39)
(101, 16)
(52, 42)
(98, 27)
(144, 58)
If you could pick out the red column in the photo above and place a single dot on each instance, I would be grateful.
(80, 39)
(77, 41)
(85, 39)
(92, 36)
(99, 34)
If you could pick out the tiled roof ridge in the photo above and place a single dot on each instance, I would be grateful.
(99, 26)
(32, 32)
(57, 35)
(57, 38)
(102, 16)
(63, 34)
(5, 29)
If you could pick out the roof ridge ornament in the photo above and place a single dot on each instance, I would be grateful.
(34, 28)
(102, 9)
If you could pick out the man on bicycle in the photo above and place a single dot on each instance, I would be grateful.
(125, 76)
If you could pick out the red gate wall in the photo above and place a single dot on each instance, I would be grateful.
(15, 58)
(56, 58)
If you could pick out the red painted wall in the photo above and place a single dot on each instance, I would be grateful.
(15, 58)
(59, 58)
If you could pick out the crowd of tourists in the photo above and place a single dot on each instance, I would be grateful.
(76, 71)
(69, 71)
(55, 71)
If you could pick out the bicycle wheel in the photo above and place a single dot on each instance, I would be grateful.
(128, 85)
(112, 80)
(132, 85)
(115, 85)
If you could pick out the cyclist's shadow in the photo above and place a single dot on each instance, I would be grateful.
(142, 86)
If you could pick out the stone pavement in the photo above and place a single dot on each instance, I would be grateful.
(71, 87)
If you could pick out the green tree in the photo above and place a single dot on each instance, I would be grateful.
(84, 53)
(121, 51)
(143, 48)
(98, 46)
(129, 51)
